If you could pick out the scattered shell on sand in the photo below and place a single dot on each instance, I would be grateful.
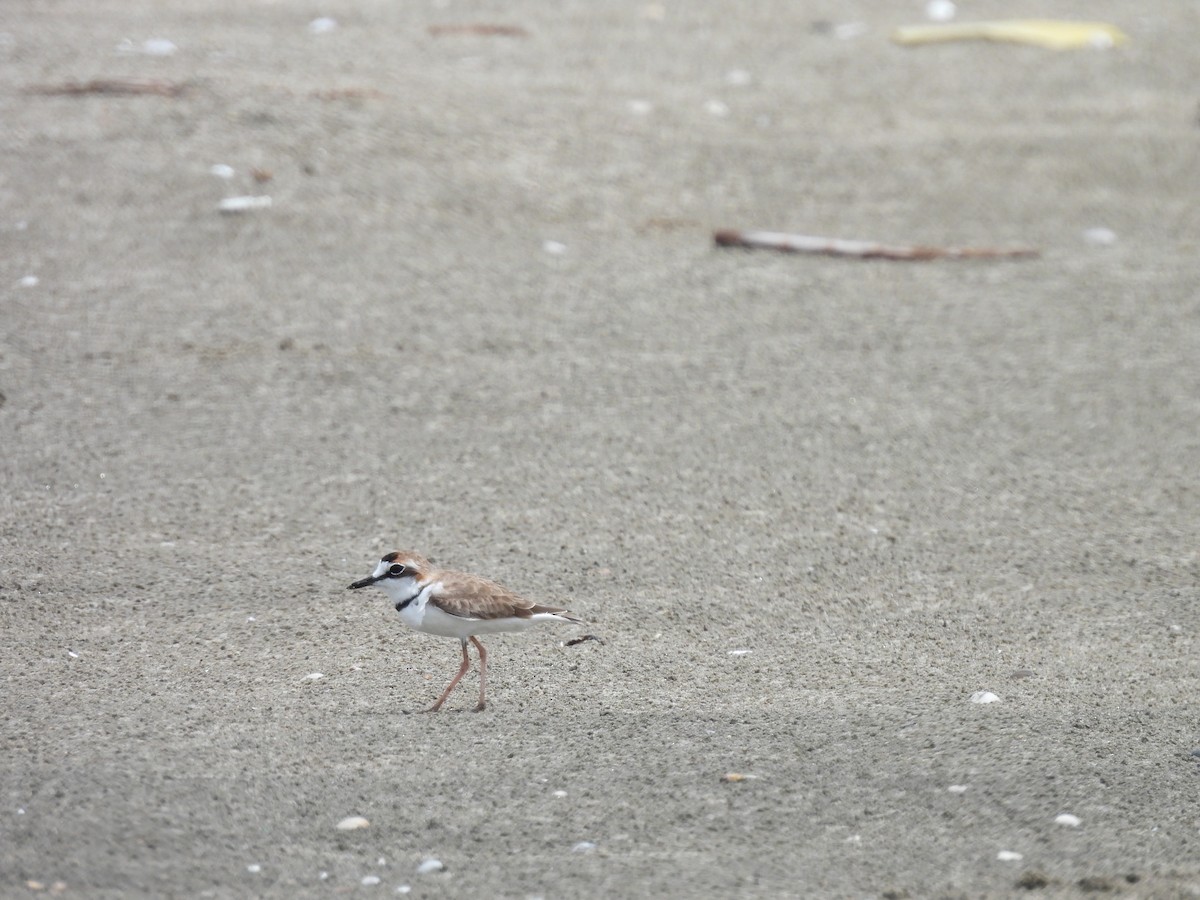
(957, 789)
(244, 204)
(940, 10)
(314, 676)
(430, 866)
(352, 823)
(1067, 819)
(583, 847)
(984, 697)
(1100, 237)
(370, 880)
(1009, 856)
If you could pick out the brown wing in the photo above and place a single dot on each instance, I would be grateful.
(478, 598)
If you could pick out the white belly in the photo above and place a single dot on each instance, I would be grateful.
(420, 616)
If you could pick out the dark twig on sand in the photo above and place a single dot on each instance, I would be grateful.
(116, 86)
(580, 640)
(481, 29)
(799, 243)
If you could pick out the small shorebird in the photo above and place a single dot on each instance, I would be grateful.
(454, 604)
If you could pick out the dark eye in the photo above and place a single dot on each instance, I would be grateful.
(396, 571)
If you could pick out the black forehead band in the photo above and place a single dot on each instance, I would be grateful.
(391, 557)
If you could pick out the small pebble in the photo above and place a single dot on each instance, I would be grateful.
(554, 247)
(222, 171)
(583, 847)
(1067, 819)
(1009, 856)
(29, 281)
(641, 107)
(314, 676)
(957, 789)
(560, 793)
(323, 25)
(1195, 753)
(254, 868)
(734, 777)
(72, 654)
(739, 652)
(429, 866)
(403, 888)
(352, 823)
(370, 880)
(984, 697)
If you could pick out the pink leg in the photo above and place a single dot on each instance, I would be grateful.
(479, 707)
(462, 670)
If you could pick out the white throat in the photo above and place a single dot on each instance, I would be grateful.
(400, 590)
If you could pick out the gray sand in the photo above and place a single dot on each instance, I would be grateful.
(894, 484)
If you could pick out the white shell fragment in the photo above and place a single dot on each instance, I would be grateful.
(739, 652)
(1067, 819)
(583, 847)
(323, 25)
(370, 880)
(314, 676)
(29, 281)
(1009, 856)
(984, 697)
(352, 823)
(556, 247)
(244, 204)
(957, 789)
(430, 866)
(254, 868)
(222, 171)
(158, 47)
(151, 47)
(1101, 237)
(940, 10)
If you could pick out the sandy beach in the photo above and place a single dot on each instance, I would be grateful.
(817, 508)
